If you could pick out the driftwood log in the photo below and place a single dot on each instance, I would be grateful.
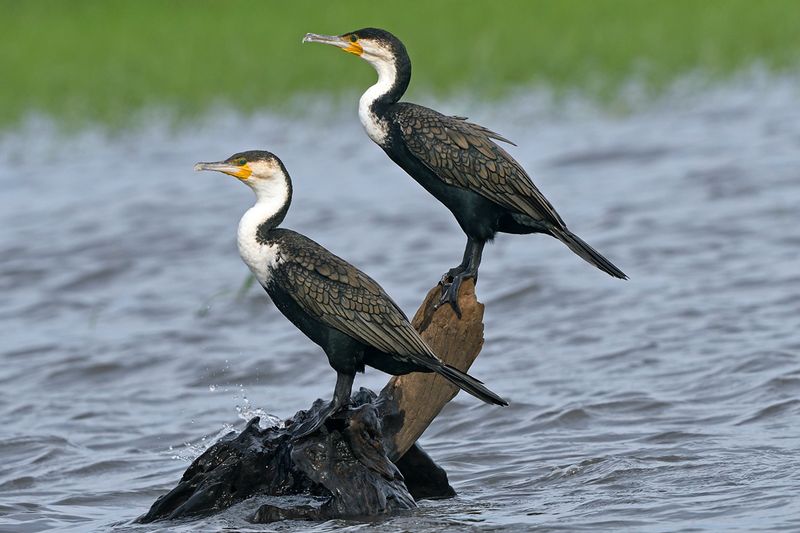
(364, 463)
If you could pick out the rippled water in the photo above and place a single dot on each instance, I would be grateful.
(668, 402)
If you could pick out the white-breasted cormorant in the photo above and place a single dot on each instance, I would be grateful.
(336, 305)
(455, 160)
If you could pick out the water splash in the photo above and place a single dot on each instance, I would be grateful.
(246, 412)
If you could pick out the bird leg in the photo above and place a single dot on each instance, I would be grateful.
(467, 269)
(340, 402)
(448, 277)
(342, 392)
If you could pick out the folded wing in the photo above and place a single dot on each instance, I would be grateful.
(465, 155)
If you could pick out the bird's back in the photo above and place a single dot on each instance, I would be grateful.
(465, 155)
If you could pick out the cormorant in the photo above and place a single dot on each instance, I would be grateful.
(336, 305)
(453, 159)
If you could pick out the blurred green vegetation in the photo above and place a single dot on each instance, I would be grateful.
(102, 60)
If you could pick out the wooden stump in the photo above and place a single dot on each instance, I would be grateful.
(365, 463)
(411, 402)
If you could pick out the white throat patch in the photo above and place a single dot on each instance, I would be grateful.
(271, 195)
(377, 129)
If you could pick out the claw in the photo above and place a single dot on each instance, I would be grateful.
(451, 274)
(450, 295)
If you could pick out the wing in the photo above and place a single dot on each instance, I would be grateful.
(464, 155)
(342, 297)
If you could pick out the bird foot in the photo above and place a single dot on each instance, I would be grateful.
(451, 274)
(450, 292)
(314, 423)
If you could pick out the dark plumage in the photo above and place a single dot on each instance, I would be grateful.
(336, 305)
(455, 160)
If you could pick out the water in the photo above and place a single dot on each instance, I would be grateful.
(669, 402)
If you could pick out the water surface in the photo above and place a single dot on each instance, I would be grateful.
(668, 402)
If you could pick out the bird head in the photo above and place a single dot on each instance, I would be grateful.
(376, 46)
(258, 169)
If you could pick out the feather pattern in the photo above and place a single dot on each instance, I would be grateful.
(464, 154)
(342, 297)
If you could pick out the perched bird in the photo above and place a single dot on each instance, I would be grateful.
(336, 305)
(453, 159)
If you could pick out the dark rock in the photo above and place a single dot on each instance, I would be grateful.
(344, 465)
(256, 461)
(425, 479)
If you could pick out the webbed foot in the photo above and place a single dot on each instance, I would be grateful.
(448, 277)
(450, 291)
(314, 423)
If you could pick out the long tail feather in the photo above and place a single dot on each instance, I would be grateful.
(586, 252)
(469, 384)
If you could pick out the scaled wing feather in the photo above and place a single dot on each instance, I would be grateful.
(342, 297)
(464, 155)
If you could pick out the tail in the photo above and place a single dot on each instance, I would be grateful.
(586, 252)
(468, 384)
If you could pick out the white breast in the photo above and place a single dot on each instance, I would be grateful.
(375, 128)
(260, 258)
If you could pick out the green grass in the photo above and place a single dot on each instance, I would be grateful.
(102, 60)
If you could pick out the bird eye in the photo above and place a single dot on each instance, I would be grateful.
(241, 162)
(353, 37)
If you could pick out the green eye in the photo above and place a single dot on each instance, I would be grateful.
(353, 37)
(241, 162)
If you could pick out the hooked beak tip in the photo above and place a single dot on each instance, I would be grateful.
(208, 166)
